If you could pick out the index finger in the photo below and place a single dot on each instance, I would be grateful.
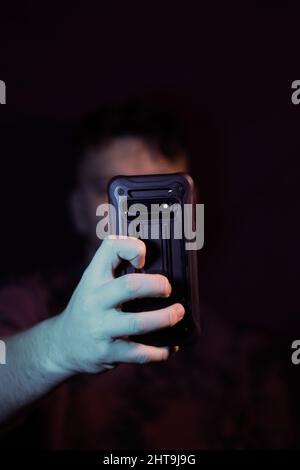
(112, 251)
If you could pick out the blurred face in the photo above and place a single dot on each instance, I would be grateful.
(121, 156)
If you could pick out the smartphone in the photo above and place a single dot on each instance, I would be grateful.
(152, 207)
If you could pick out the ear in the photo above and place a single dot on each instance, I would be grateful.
(78, 212)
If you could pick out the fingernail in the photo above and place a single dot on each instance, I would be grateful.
(180, 311)
(173, 349)
(168, 289)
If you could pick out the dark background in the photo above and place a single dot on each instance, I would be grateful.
(232, 67)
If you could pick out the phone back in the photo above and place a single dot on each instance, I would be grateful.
(153, 208)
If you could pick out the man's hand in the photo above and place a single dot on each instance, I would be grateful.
(90, 332)
(89, 336)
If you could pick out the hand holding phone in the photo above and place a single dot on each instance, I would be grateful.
(153, 207)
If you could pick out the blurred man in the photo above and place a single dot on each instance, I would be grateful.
(227, 391)
(47, 348)
(133, 139)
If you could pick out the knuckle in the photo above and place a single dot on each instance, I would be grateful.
(133, 325)
(104, 349)
(164, 354)
(164, 284)
(171, 317)
(141, 247)
(132, 283)
(143, 358)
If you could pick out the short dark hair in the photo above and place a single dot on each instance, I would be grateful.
(159, 126)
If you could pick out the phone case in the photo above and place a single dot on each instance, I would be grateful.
(166, 254)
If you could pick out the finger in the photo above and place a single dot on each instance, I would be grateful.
(112, 250)
(127, 351)
(133, 286)
(145, 322)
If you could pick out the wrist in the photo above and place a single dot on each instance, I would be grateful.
(55, 361)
